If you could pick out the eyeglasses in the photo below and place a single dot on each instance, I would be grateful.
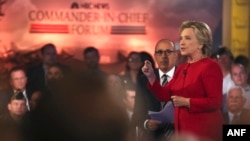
(134, 59)
(161, 52)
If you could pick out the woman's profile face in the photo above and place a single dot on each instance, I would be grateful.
(189, 44)
(134, 61)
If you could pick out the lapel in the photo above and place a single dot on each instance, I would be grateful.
(157, 74)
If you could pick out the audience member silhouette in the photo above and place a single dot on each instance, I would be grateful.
(18, 82)
(128, 100)
(166, 58)
(35, 99)
(37, 75)
(225, 59)
(132, 70)
(236, 113)
(240, 76)
(92, 70)
(12, 123)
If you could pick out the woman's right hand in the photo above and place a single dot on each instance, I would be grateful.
(152, 125)
(148, 70)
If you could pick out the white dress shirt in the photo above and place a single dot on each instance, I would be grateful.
(27, 100)
(170, 74)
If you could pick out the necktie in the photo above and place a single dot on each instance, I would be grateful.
(164, 80)
(235, 119)
(27, 100)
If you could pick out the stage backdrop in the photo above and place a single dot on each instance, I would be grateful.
(113, 26)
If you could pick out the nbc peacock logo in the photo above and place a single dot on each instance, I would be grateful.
(90, 6)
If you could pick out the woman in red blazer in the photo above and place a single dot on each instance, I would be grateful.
(196, 88)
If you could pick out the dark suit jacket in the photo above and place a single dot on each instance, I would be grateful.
(11, 129)
(36, 78)
(5, 95)
(244, 117)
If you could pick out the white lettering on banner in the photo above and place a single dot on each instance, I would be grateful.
(87, 22)
(89, 29)
(64, 16)
(87, 16)
(236, 132)
(132, 17)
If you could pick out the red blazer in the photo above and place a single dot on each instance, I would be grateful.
(200, 81)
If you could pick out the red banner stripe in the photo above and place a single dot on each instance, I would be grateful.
(44, 31)
(49, 28)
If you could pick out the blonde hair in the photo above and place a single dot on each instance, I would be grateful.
(203, 34)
